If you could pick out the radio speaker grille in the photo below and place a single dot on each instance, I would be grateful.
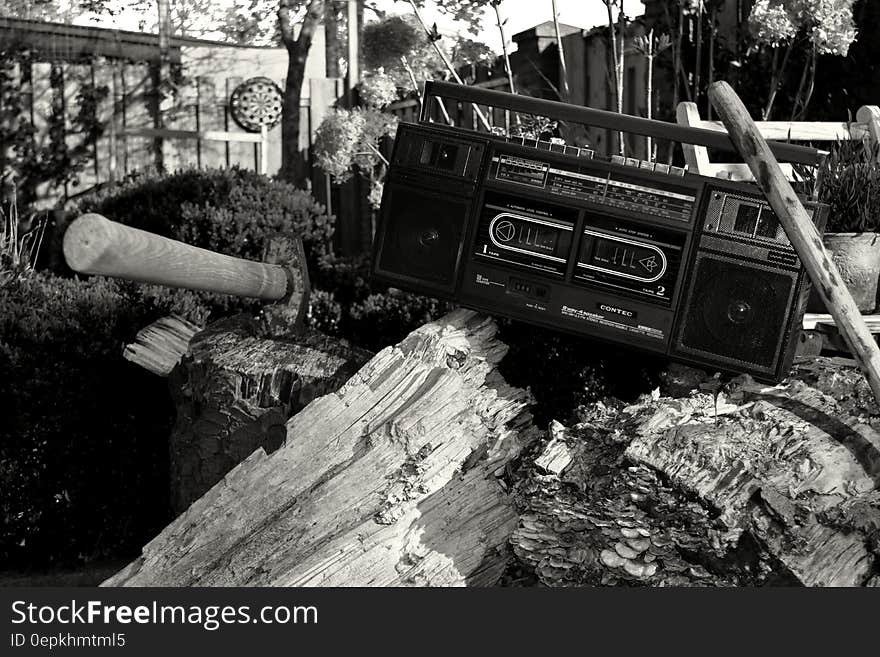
(422, 236)
(736, 314)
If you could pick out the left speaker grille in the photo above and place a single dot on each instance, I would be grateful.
(422, 236)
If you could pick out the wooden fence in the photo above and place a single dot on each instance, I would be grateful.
(64, 74)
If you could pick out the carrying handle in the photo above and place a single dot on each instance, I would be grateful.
(604, 119)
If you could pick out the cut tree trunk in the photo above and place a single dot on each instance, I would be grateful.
(394, 479)
(730, 485)
(234, 390)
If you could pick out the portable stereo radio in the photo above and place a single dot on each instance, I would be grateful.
(623, 250)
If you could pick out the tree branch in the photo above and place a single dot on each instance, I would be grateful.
(310, 21)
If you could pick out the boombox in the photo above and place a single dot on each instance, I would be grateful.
(647, 255)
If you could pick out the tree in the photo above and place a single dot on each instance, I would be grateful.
(398, 45)
(298, 46)
(472, 13)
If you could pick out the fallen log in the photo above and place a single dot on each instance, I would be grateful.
(394, 479)
(723, 485)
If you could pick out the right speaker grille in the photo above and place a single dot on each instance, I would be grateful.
(736, 314)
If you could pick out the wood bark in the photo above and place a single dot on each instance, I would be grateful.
(293, 166)
(739, 484)
(394, 479)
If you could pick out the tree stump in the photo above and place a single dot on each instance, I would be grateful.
(234, 390)
(393, 479)
(738, 484)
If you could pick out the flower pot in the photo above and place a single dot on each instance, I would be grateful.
(857, 257)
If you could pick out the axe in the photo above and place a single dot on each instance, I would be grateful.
(95, 245)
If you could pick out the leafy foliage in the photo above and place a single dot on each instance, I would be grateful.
(395, 43)
(348, 142)
(377, 89)
(851, 186)
(20, 241)
(83, 463)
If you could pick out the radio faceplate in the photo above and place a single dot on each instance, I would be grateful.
(617, 250)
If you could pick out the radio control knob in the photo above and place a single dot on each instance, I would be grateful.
(618, 159)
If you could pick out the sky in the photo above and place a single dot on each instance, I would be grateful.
(520, 15)
(523, 14)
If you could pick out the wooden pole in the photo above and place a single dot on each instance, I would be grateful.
(800, 230)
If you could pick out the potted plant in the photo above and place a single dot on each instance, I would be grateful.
(851, 187)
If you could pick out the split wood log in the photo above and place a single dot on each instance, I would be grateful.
(234, 390)
(732, 485)
(800, 230)
(160, 346)
(394, 479)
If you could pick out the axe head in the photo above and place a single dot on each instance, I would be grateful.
(287, 315)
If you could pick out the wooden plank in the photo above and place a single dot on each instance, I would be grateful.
(138, 150)
(813, 320)
(160, 346)
(77, 80)
(799, 130)
(43, 94)
(12, 72)
(241, 153)
(799, 229)
(206, 135)
(211, 119)
(696, 157)
(102, 77)
(117, 141)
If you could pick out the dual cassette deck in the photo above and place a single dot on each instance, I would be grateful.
(622, 250)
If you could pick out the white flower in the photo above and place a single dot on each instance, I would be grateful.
(770, 23)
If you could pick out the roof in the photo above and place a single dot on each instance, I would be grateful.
(546, 29)
(79, 41)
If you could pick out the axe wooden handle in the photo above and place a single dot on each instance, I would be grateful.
(95, 245)
(800, 230)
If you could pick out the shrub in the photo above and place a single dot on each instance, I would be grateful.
(851, 186)
(83, 451)
(231, 211)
